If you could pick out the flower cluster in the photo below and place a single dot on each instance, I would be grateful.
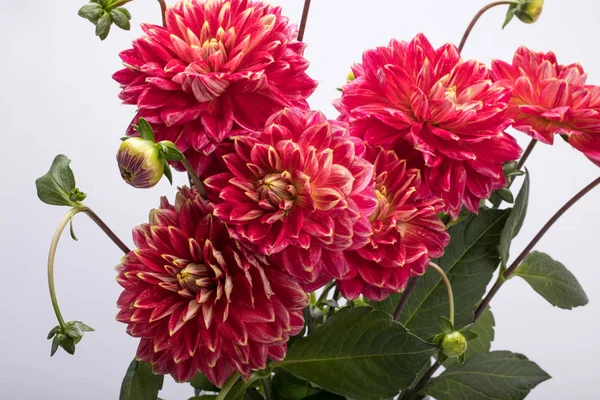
(293, 200)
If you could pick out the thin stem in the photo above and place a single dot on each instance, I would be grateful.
(163, 8)
(94, 217)
(476, 18)
(163, 11)
(404, 300)
(309, 321)
(267, 386)
(302, 28)
(336, 296)
(421, 383)
(54, 246)
(448, 289)
(51, 256)
(228, 385)
(194, 177)
(507, 274)
(326, 291)
(526, 154)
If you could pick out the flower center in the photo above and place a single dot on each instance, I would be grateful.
(195, 277)
(277, 187)
(126, 174)
(211, 46)
(383, 204)
(451, 93)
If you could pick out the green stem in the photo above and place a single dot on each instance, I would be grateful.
(228, 385)
(267, 386)
(51, 256)
(54, 246)
(163, 7)
(336, 296)
(194, 177)
(476, 18)
(448, 289)
(326, 291)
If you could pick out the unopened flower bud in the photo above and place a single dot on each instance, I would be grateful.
(140, 162)
(350, 77)
(529, 11)
(454, 344)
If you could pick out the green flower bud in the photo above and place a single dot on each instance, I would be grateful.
(140, 162)
(350, 77)
(529, 11)
(454, 344)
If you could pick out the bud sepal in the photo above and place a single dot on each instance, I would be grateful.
(67, 336)
(103, 13)
(527, 11)
(452, 342)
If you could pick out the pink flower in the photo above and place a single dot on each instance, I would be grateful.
(411, 96)
(300, 189)
(199, 301)
(549, 98)
(216, 67)
(407, 232)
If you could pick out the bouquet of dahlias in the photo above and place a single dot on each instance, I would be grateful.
(315, 258)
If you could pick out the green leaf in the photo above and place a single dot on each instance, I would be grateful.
(92, 12)
(515, 221)
(552, 280)
(509, 15)
(167, 172)
(55, 343)
(506, 195)
(286, 386)
(120, 19)
(499, 375)
(238, 391)
(170, 151)
(446, 326)
(360, 353)
(484, 328)
(67, 343)
(145, 130)
(140, 383)
(124, 11)
(323, 395)
(103, 26)
(469, 261)
(201, 382)
(55, 187)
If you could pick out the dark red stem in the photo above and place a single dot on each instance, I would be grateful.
(302, 28)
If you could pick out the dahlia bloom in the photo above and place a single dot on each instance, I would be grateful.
(300, 189)
(216, 67)
(407, 232)
(549, 98)
(409, 95)
(199, 301)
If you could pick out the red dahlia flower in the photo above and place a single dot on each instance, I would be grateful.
(549, 98)
(407, 232)
(217, 66)
(199, 301)
(411, 95)
(300, 188)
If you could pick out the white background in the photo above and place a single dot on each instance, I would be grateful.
(57, 96)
